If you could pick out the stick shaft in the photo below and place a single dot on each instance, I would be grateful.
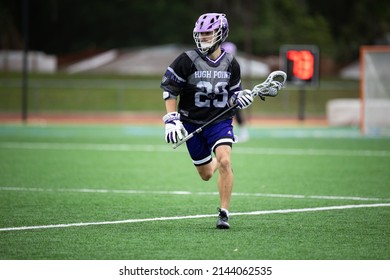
(189, 136)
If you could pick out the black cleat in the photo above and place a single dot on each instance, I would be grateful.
(223, 219)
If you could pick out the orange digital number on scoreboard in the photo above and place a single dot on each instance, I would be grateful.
(303, 63)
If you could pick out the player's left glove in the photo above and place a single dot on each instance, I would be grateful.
(243, 98)
(174, 129)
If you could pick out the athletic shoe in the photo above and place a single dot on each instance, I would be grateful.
(223, 219)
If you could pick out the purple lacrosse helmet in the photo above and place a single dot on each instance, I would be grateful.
(213, 23)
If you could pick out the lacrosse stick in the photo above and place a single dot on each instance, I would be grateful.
(270, 87)
(274, 82)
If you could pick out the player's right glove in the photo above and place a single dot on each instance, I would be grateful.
(174, 129)
(243, 98)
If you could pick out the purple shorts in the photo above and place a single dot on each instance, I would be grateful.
(203, 144)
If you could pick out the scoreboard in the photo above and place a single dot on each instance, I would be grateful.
(301, 63)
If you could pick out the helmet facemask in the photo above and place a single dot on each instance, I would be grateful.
(210, 31)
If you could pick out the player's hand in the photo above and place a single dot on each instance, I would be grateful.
(243, 98)
(174, 129)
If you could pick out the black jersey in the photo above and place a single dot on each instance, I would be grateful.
(204, 86)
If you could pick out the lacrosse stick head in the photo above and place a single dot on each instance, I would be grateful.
(210, 31)
(271, 86)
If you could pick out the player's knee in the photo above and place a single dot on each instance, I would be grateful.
(205, 175)
(225, 164)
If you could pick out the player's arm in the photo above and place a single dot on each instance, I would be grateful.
(243, 98)
(172, 83)
(174, 129)
(171, 105)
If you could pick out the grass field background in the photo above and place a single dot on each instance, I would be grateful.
(64, 93)
(119, 192)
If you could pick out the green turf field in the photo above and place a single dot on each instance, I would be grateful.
(119, 192)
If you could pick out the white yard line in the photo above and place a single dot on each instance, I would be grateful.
(167, 148)
(266, 212)
(147, 192)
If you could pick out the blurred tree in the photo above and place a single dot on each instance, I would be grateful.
(353, 23)
(257, 26)
(10, 35)
(280, 22)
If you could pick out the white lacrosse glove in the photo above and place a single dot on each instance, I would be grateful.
(243, 98)
(174, 129)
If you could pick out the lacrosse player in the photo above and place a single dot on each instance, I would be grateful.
(197, 86)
